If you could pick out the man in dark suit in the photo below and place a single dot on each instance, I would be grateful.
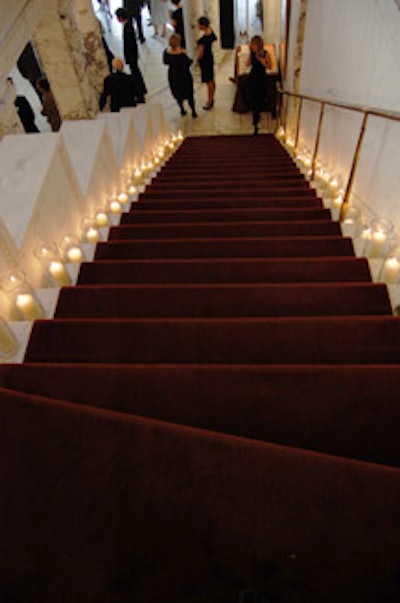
(134, 9)
(120, 87)
(131, 52)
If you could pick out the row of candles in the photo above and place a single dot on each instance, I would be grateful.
(377, 235)
(23, 302)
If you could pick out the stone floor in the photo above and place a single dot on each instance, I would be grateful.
(221, 120)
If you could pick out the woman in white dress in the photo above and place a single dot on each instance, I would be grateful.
(159, 16)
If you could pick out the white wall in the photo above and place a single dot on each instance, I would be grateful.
(351, 54)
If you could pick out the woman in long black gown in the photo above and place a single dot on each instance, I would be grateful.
(257, 80)
(179, 77)
(206, 59)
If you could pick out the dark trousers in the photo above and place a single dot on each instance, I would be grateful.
(190, 100)
(137, 15)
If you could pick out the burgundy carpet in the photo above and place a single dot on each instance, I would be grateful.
(213, 414)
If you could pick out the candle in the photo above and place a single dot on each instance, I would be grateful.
(337, 202)
(115, 207)
(101, 218)
(74, 255)
(59, 273)
(8, 341)
(376, 243)
(391, 270)
(122, 198)
(92, 235)
(137, 175)
(29, 306)
(379, 238)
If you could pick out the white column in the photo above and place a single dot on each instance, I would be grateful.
(59, 46)
(17, 20)
(95, 57)
(192, 10)
(272, 21)
(211, 10)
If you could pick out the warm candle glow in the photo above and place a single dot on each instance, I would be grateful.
(92, 235)
(59, 273)
(122, 198)
(74, 255)
(28, 306)
(337, 202)
(366, 233)
(101, 218)
(334, 183)
(391, 270)
(115, 207)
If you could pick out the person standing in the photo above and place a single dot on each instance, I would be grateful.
(159, 17)
(49, 108)
(29, 66)
(120, 87)
(131, 52)
(179, 77)
(26, 114)
(260, 61)
(206, 59)
(134, 9)
(177, 21)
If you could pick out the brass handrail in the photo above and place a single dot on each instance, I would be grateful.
(361, 109)
(366, 111)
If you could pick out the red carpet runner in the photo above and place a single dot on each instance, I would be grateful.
(212, 416)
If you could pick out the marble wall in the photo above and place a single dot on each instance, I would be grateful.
(59, 44)
(67, 40)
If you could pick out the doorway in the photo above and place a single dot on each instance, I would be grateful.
(249, 16)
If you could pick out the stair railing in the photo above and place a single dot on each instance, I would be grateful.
(294, 114)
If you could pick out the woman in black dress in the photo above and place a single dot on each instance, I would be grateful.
(257, 81)
(179, 76)
(177, 21)
(206, 59)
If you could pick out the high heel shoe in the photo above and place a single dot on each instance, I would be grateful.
(208, 107)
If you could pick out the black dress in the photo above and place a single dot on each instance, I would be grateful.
(179, 76)
(177, 18)
(207, 60)
(131, 58)
(26, 114)
(257, 84)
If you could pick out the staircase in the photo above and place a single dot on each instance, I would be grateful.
(212, 416)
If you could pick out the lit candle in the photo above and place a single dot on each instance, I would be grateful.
(337, 202)
(122, 198)
(92, 235)
(59, 273)
(366, 233)
(137, 175)
(376, 243)
(101, 218)
(29, 306)
(115, 207)
(391, 270)
(74, 255)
